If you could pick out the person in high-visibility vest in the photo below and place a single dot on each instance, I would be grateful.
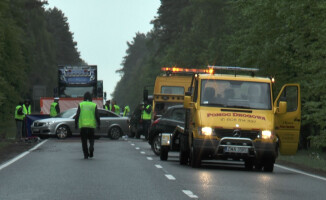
(19, 117)
(55, 108)
(27, 107)
(115, 108)
(26, 111)
(146, 118)
(107, 105)
(87, 119)
(126, 111)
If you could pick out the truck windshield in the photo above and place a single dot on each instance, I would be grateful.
(235, 94)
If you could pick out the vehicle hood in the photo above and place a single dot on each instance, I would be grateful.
(236, 118)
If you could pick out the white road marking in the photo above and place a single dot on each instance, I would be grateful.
(170, 177)
(132, 144)
(21, 155)
(158, 166)
(137, 148)
(142, 152)
(301, 172)
(149, 158)
(190, 194)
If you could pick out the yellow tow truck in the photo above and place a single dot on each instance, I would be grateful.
(232, 116)
(169, 90)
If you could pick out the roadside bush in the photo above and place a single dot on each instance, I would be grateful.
(318, 141)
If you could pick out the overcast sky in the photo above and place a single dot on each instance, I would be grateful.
(102, 29)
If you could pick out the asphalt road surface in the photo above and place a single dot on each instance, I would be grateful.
(128, 169)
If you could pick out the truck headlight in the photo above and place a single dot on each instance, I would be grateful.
(266, 134)
(208, 131)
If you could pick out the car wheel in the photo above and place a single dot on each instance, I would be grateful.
(195, 160)
(156, 145)
(115, 133)
(62, 132)
(164, 153)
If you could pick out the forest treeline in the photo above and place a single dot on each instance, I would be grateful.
(33, 41)
(284, 39)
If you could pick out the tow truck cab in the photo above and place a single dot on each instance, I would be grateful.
(234, 117)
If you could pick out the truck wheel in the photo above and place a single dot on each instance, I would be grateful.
(62, 132)
(195, 160)
(164, 153)
(156, 145)
(268, 166)
(183, 157)
(249, 164)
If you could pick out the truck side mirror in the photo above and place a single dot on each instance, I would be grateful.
(282, 107)
(187, 102)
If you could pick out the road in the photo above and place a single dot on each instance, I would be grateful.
(128, 169)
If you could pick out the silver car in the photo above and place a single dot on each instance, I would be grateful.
(63, 125)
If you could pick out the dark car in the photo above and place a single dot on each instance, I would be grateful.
(173, 117)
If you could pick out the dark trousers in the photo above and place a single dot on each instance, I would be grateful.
(87, 133)
(146, 125)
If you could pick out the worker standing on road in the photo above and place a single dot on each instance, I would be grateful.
(146, 117)
(19, 117)
(116, 108)
(126, 111)
(87, 118)
(107, 105)
(26, 111)
(27, 107)
(55, 108)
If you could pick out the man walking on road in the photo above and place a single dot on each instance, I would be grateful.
(87, 118)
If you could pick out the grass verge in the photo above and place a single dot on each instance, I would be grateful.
(312, 159)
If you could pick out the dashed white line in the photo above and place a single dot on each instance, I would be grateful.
(301, 172)
(21, 155)
(149, 158)
(170, 177)
(132, 144)
(158, 166)
(142, 152)
(190, 194)
(137, 148)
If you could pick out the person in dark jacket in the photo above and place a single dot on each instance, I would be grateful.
(87, 119)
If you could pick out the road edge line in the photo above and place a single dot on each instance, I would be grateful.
(301, 172)
(6, 164)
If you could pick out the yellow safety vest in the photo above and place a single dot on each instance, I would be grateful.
(87, 115)
(145, 115)
(17, 116)
(53, 111)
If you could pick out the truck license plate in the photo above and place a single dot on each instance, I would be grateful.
(236, 149)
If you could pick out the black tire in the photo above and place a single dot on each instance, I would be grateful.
(258, 167)
(164, 153)
(115, 133)
(183, 157)
(195, 158)
(156, 145)
(249, 164)
(268, 166)
(62, 132)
